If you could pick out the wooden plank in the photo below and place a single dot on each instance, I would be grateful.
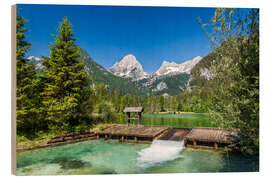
(212, 135)
(133, 118)
(133, 109)
(138, 131)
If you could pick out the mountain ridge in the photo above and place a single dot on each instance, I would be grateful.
(133, 79)
(129, 67)
(173, 68)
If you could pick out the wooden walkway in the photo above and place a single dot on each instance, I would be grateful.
(212, 135)
(125, 132)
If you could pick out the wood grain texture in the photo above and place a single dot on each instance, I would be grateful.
(13, 89)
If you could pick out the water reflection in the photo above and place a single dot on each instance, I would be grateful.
(173, 120)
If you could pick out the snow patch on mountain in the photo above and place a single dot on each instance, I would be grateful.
(172, 68)
(33, 58)
(36, 61)
(206, 73)
(166, 95)
(162, 85)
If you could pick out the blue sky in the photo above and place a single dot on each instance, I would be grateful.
(108, 33)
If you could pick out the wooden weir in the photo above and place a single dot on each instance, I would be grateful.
(199, 137)
(175, 134)
(212, 138)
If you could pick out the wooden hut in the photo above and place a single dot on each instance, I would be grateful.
(138, 110)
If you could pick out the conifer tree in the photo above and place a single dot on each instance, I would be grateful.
(161, 102)
(26, 96)
(66, 83)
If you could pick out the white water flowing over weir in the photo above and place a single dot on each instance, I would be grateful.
(160, 151)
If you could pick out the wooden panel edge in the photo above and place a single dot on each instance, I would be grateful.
(13, 89)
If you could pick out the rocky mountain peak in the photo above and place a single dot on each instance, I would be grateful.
(130, 58)
(166, 63)
(129, 67)
(170, 68)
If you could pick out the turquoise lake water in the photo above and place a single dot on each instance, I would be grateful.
(112, 157)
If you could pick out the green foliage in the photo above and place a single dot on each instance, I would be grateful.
(236, 75)
(101, 128)
(40, 138)
(179, 107)
(66, 82)
(106, 109)
(161, 102)
(231, 92)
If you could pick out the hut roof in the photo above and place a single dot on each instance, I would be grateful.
(133, 109)
(212, 135)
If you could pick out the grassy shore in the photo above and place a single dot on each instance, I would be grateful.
(22, 142)
(42, 138)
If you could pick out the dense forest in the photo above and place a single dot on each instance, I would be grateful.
(62, 97)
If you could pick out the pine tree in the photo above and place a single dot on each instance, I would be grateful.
(162, 102)
(179, 107)
(26, 84)
(66, 83)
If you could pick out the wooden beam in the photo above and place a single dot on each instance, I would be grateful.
(134, 118)
(216, 146)
(140, 118)
(128, 118)
(195, 144)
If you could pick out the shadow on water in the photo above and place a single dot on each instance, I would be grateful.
(236, 162)
(59, 154)
(70, 164)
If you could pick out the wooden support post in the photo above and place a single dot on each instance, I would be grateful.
(128, 118)
(122, 139)
(97, 136)
(106, 137)
(135, 139)
(216, 145)
(140, 118)
(194, 144)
